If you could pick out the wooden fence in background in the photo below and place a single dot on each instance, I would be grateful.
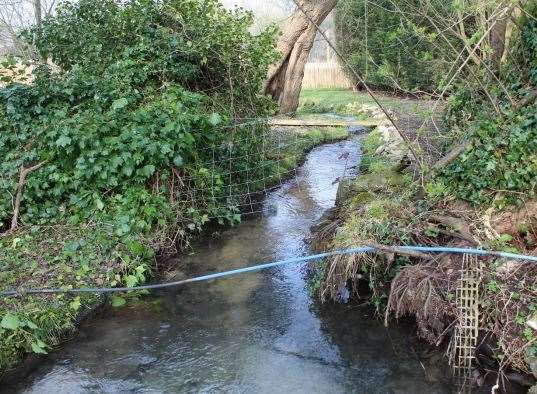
(324, 76)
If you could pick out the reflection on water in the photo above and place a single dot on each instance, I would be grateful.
(260, 332)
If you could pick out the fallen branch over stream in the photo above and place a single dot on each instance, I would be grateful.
(459, 228)
(402, 251)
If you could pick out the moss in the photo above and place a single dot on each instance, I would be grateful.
(372, 142)
(326, 134)
(315, 134)
(370, 161)
(377, 209)
(370, 182)
(289, 162)
(362, 198)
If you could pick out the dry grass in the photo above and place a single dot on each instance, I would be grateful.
(425, 289)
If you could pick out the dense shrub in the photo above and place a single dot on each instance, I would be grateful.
(389, 48)
(134, 126)
(143, 93)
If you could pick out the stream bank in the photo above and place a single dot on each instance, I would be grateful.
(385, 205)
(94, 255)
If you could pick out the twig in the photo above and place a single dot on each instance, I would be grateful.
(449, 158)
(530, 98)
(20, 186)
(455, 234)
(458, 225)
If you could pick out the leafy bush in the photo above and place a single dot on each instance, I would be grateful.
(134, 129)
(144, 91)
(503, 158)
(503, 155)
(522, 67)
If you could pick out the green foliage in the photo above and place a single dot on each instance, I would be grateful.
(502, 158)
(501, 163)
(63, 256)
(140, 96)
(191, 42)
(522, 67)
(390, 48)
(435, 189)
(370, 144)
(316, 136)
(317, 276)
(11, 70)
(503, 243)
(143, 100)
(289, 155)
(380, 210)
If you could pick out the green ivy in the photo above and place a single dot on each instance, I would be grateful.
(140, 93)
(141, 99)
(502, 157)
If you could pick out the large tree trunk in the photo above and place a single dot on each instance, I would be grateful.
(284, 79)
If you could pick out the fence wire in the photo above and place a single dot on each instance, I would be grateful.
(250, 160)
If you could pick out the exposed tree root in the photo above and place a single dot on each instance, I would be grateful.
(458, 227)
(425, 287)
(421, 291)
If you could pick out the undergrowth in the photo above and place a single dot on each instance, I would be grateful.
(381, 207)
(461, 207)
(61, 256)
(500, 165)
(378, 209)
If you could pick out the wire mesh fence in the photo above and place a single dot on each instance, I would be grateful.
(240, 169)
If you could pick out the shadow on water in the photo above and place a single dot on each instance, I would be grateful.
(260, 332)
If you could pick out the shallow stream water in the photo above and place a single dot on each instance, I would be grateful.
(255, 333)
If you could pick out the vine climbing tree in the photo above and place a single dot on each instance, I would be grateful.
(284, 79)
